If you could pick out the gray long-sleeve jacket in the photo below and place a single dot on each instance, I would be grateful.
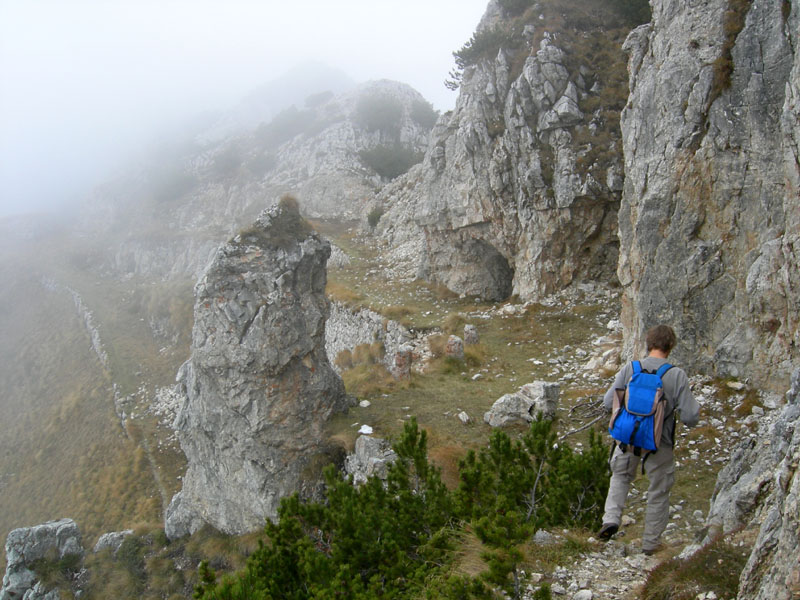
(676, 390)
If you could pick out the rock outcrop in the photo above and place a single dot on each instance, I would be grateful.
(348, 328)
(709, 223)
(760, 488)
(371, 456)
(111, 541)
(520, 186)
(524, 405)
(51, 541)
(258, 386)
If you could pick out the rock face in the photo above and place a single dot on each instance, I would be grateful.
(347, 328)
(760, 488)
(53, 540)
(520, 186)
(258, 387)
(709, 224)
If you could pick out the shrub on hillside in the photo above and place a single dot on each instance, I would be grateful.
(227, 162)
(423, 113)
(171, 183)
(374, 216)
(286, 125)
(319, 99)
(390, 160)
(376, 540)
(394, 538)
(379, 112)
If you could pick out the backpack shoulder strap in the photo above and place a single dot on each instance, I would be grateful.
(637, 367)
(663, 369)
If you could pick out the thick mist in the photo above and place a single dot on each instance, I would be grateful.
(86, 86)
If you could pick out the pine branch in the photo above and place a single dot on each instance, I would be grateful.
(574, 431)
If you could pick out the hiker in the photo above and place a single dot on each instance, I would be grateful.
(660, 464)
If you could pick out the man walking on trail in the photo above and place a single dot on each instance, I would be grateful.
(660, 465)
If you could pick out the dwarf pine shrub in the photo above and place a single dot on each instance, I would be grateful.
(395, 538)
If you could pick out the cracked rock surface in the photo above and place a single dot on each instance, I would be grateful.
(258, 387)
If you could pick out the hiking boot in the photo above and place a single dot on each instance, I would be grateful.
(607, 530)
(651, 551)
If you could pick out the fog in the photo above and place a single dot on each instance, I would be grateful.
(86, 85)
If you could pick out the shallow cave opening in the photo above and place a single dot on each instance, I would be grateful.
(495, 275)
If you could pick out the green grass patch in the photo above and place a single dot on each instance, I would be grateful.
(561, 552)
(716, 567)
(370, 380)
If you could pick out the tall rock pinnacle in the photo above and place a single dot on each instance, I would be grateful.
(258, 386)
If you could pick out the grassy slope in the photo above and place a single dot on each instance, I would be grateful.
(63, 451)
(89, 470)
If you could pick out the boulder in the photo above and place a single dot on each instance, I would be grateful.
(111, 541)
(454, 348)
(471, 336)
(348, 327)
(258, 388)
(54, 540)
(532, 399)
(402, 362)
(371, 456)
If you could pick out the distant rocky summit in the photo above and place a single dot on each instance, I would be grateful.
(258, 387)
(332, 151)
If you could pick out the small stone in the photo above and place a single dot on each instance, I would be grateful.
(543, 537)
(471, 334)
(583, 595)
(365, 430)
(736, 385)
(365, 404)
(627, 521)
(464, 417)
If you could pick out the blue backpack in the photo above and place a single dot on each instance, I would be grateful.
(637, 415)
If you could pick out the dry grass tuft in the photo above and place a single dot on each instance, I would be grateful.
(344, 295)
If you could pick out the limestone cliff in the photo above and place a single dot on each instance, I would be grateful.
(258, 386)
(520, 186)
(709, 224)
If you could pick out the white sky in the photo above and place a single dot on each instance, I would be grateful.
(84, 82)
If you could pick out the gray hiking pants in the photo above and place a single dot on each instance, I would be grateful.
(660, 470)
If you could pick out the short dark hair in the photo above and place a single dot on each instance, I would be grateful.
(661, 337)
